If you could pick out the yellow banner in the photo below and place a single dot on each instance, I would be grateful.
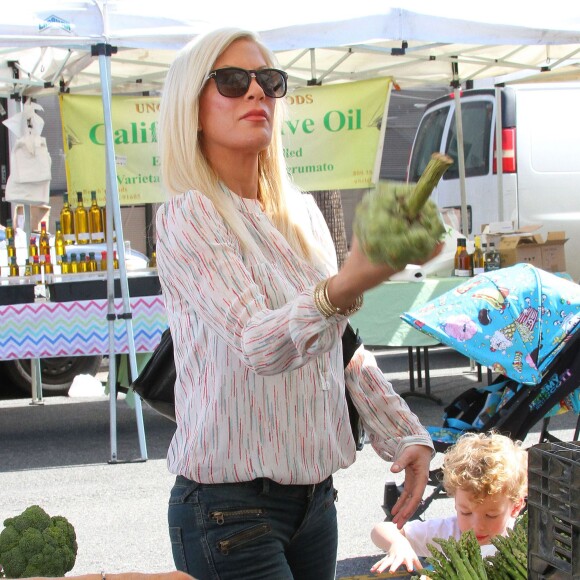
(335, 134)
(332, 140)
(135, 138)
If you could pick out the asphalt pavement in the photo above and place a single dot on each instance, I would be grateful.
(58, 455)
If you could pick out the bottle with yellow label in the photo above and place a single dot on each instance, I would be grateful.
(67, 222)
(96, 225)
(82, 221)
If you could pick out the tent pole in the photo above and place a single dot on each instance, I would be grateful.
(460, 151)
(499, 152)
(104, 53)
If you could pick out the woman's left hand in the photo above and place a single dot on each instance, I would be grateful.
(415, 461)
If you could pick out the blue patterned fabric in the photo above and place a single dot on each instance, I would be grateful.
(514, 320)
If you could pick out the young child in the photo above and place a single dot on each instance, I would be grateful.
(487, 476)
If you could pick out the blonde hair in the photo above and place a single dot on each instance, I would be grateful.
(486, 464)
(183, 163)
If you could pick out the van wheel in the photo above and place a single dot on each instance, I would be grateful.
(57, 373)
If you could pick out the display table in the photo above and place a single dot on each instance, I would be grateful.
(81, 328)
(380, 325)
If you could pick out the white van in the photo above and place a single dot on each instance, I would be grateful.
(541, 158)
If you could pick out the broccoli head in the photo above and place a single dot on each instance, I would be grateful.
(35, 544)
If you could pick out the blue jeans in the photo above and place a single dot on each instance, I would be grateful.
(254, 530)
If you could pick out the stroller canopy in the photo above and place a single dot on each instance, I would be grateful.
(514, 320)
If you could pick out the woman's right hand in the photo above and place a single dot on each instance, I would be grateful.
(358, 274)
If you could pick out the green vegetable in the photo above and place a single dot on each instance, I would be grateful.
(442, 567)
(459, 559)
(396, 223)
(35, 544)
(511, 559)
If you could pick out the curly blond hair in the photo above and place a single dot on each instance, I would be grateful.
(486, 464)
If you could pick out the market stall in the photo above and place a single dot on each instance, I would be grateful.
(105, 47)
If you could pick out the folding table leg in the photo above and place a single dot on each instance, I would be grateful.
(412, 392)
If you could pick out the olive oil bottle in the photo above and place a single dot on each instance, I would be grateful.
(478, 258)
(96, 225)
(43, 240)
(67, 222)
(59, 242)
(81, 221)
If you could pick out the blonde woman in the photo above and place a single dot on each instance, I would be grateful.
(257, 309)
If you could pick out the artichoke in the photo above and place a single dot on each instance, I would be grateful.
(396, 223)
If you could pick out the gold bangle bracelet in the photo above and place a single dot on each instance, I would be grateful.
(326, 307)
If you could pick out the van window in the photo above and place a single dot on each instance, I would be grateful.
(477, 124)
(427, 141)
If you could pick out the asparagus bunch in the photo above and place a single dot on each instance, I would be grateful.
(456, 559)
(461, 559)
(396, 223)
(510, 562)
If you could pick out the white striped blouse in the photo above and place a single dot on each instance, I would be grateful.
(252, 400)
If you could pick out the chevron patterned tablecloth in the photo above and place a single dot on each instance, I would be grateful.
(53, 329)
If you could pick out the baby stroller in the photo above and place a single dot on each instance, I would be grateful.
(522, 323)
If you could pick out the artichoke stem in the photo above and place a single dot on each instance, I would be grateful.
(437, 166)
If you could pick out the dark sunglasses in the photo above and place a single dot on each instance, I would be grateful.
(234, 82)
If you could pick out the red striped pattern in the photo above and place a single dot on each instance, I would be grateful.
(252, 400)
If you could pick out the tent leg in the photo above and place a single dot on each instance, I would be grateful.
(114, 222)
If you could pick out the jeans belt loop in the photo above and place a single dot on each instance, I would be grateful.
(265, 486)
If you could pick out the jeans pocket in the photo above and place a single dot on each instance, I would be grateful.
(242, 537)
(182, 490)
(330, 494)
(177, 548)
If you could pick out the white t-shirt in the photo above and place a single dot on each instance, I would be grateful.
(421, 533)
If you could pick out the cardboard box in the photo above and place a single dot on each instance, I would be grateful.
(38, 213)
(548, 255)
(494, 231)
(553, 252)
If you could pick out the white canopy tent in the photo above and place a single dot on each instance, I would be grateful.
(125, 46)
(416, 45)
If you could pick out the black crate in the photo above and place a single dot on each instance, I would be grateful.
(97, 289)
(554, 511)
(16, 294)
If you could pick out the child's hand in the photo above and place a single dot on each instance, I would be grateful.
(399, 554)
